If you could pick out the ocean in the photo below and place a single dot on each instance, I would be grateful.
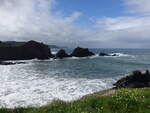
(38, 82)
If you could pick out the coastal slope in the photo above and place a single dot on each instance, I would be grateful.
(121, 101)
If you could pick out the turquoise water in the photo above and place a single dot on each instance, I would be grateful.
(103, 67)
(40, 81)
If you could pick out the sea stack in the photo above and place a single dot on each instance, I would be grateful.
(61, 54)
(81, 52)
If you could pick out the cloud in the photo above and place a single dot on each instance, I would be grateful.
(124, 31)
(122, 23)
(127, 31)
(36, 20)
(138, 6)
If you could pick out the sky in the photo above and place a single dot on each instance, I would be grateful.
(71, 23)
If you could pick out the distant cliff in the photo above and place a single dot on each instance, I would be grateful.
(15, 43)
(24, 50)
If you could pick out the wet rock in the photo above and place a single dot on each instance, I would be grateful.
(106, 54)
(61, 54)
(11, 63)
(81, 52)
(138, 79)
(114, 55)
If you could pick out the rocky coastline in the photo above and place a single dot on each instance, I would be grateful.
(32, 49)
(25, 51)
(137, 79)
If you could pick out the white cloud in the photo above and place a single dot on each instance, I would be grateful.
(122, 23)
(75, 15)
(35, 20)
(126, 31)
(129, 32)
(138, 6)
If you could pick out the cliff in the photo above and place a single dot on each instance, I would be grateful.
(24, 51)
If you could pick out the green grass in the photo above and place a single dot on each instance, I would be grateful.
(123, 101)
(11, 44)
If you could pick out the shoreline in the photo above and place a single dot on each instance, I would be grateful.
(131, 94)
(101, 101)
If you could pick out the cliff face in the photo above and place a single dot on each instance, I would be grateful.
(29, 50)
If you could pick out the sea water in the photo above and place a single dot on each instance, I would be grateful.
(38, 82)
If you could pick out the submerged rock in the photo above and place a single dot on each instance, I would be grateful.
(137, 79)
(25, 51)
(106, 54)
(114, 55)
(81, 52)
(61, 54)
(11, 63)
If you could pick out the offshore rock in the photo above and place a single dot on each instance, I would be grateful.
(11, 63)
(81, 52)
(61, 54)
(106, 54)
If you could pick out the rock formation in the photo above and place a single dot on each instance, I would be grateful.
(61, 54)
(137, 79)
(29, 50)
(106, 54)
(81, 52)
(11, 63)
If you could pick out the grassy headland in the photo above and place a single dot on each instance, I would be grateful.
(121, 101)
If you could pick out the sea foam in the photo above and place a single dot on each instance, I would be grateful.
(22, 89)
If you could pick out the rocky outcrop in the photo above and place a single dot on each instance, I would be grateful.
(36, 50)
(81, 52)
(26, 51)
(11, 63)
(106, 54)
(61, 54)
(137, 79)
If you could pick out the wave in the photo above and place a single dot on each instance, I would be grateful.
(74, 58)
(119, 54)
(54, 52)
(97, 56)
(32, 91)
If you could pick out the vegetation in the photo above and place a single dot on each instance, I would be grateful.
(16, 44)
(11, 44)
(122, 101)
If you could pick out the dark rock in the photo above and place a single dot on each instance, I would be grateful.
(36, 50)
(114, 55)
(81, 52)
(137, 79)
(26, 51)
(11, 63)
(61, 54)
(104, 54)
